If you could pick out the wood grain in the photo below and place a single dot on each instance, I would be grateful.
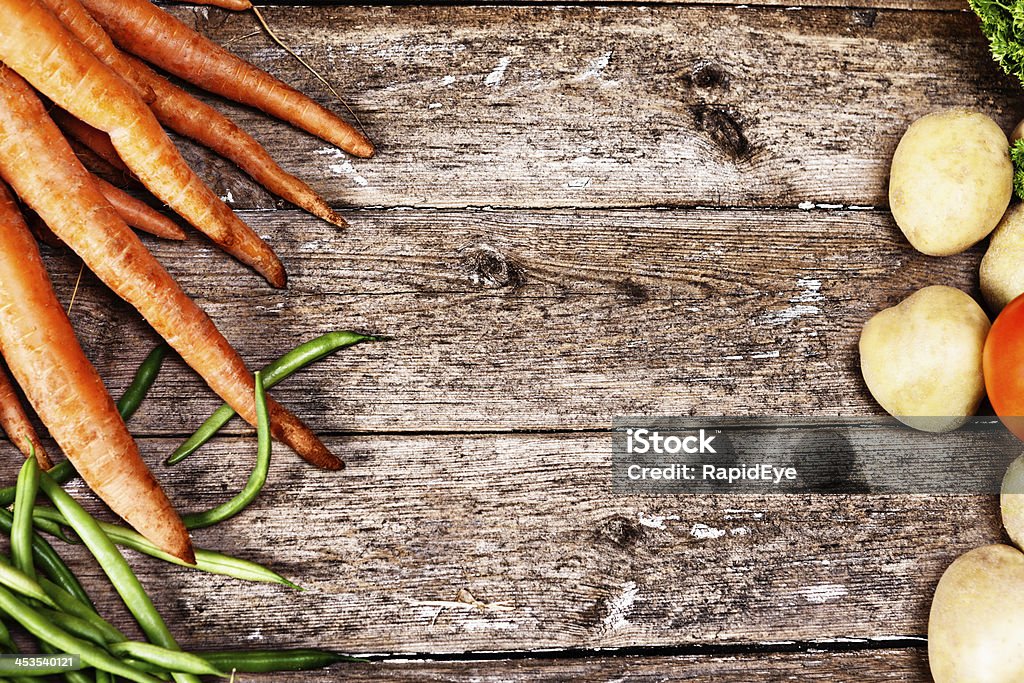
(510, 543)
(612, 106)
(538, 319)
(871, 666)
(914, 5)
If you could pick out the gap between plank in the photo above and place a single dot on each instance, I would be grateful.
(706, 649)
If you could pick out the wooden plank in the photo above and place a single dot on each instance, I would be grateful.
(612, 106)
(510, 543)
(871, 666)
(539, 319)
(915, 5)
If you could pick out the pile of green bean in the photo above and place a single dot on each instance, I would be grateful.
(40, 593)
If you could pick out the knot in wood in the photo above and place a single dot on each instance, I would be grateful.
(709, 74)
(490, 268)
(723, 129)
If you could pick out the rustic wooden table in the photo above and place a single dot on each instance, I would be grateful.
(578, 211)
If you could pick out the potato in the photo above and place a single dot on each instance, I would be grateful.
(921, 359)
(976, 626)
(1011, 501)
(950, 181)
(1002, 268)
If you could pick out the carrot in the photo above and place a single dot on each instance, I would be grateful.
(235, 5)
(81, 24)
(139, 214)
(195, 119)
(40, 230)
(66, 391)
(96, 141)
(35, 44)
(62, 192)
(140, 27)
(15, 422)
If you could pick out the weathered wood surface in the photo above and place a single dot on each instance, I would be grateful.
(539, 320)
(918, 5)
(612, 106)
(866, 667)
(527, 524)
(477, 464)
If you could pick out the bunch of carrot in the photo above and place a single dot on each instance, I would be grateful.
(70, 92)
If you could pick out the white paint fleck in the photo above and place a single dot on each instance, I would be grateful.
(655, 521)
(811, 291)
(344, 165)
(228, 197)
(494, 78)
(578, 183)
(739, 357)
(447, 80)
(739, 531)
(619, 607)
(705, 532)
(791, 313)
(803, 303)
(823, 593)
(806, 206)
(489, 625)
(596, 68)
(255, 635)
(762, 356)
(434, 105)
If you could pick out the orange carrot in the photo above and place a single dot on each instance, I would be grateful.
(35, 44)
(95, 140)
(62, 192)
(139, 214)
(81, 24)
(15, 422)
(64, 388)
(235, 5)
(40, 230)
(140, 27)
(195, 119)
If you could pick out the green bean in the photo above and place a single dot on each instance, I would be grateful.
(41, 627)
(48, 527)
(62, 473)
(269, 661)
(20, 582)
(278, 370)
(47, 559)
(75, 607)
(103, 677)
(170, 660)
(76, 626)
(142, 382)
(116, 568)
(24, 501)
(149, 668)
(256, 479)
(206, 560)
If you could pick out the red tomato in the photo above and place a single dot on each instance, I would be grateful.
(1003, 363)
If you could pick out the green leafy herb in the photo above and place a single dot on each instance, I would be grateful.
(1003, 25)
